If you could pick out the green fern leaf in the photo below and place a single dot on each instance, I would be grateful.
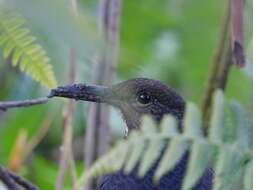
(108, 163)
(169, 126)
(216, 130)
(18, 42)
(229, 124)
(248, 176)
(173, 153)
(150, 156)
(229, 168)
(229, 158)
(242, 133)
(135, 152)
(200, 159)
(192, 121)
(121, 155)
(148, 126)
(152, 152)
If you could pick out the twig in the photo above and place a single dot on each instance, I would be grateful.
(13, 181)
(66, 149)
(7, 180)
(66, 155)
(237, 7)
(97, 138)
(72, 168)
(17, 152)
(22, 182)
(24, 147)
(37, 138)
(74, 7)
(4, 106)
(225, 68)
(214, 69)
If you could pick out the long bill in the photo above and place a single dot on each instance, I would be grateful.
(91, 93)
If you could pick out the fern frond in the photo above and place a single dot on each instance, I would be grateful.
(248, 182)
(17, 41)
(216, 129)
(153, 149)
(177, 147)
(231, 158)
(134, 152)
(201, 156)
(229, 165)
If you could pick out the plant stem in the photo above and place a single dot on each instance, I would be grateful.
(4, 106)
(13, 181)
(66, 154)
(97, 139)
(214, 69)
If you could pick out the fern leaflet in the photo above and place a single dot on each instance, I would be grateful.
(17, 41)
(231, 158)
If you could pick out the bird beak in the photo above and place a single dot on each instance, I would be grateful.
(91, 93)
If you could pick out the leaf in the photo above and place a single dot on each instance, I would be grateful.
(192, 122)
(216, 131)
(200, 159)
(18, 42)
(135, 151)
(229, 168)
(169, 125)
(150, 156)
(154, 146)
(248, 176)
(17, 152)
(110, 162)
(144, 147)
(172, 155)
(121, 155)
(147, 125)
(229, 125)
(243, 132)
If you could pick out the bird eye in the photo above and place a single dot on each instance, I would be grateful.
(144, 98)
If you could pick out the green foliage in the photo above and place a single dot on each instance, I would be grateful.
(194, 26)
(228, 161)
(18, 43)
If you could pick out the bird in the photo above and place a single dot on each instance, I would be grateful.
(135, 98)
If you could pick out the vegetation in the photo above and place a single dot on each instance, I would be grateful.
(231, 154)
(170, 40)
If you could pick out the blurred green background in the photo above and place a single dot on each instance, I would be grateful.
(169, 40)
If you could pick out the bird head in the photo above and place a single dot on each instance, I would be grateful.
(134, 98)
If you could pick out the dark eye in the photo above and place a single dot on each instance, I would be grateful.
(144, 98)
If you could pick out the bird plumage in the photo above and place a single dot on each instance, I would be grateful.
(171, 181)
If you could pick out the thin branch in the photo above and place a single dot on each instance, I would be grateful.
(7, 180)
(74, 7)
(73, 173)
(225, 68)
(67, 160)
(37, 138)
(66, 154)
(22, 182)
(4, 106)
(17, 152)
(66, 147)
(24, 147)
(214, 68)
(97, 138)
(237, 19)
(14, 182)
